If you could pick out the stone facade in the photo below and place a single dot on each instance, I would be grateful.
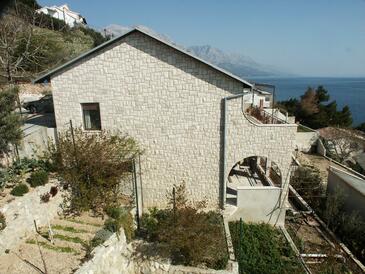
(171, 104)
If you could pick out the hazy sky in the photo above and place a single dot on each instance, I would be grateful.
(306, 37)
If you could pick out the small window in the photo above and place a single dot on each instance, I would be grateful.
(267, 98)
(91, 116)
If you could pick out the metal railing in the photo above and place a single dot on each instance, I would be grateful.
(263, 116)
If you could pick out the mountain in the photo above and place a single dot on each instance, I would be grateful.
(238, 64)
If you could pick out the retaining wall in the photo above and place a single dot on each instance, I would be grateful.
(116, 256)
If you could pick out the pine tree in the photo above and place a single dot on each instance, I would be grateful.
(10, 121)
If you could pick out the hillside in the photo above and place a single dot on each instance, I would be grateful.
(33, 43)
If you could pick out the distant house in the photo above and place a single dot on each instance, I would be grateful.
(64, 13)
(190, 117)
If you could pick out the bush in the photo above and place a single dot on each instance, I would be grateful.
(53, 191)
(2, 221)
(189, 235)
(45, 197)
(120, 217)
(94, 173)
(19, 190)
(307, 181)
(263, 249)
(38, 178)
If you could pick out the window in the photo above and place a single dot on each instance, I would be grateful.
(91, 116)
(267, 98)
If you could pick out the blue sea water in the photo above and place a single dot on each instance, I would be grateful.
(346, 91)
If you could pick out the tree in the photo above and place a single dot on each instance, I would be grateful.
(313, 111)
(342, 143)
(309, 103)
(10, 121)
(361, 127)
(15, 30)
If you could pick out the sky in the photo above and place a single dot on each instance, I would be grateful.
(323, 38)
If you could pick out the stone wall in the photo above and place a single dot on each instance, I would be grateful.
(305, 141)
(172, 104)
(21, 213)
(259, 204)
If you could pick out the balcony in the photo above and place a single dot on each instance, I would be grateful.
(268, 115)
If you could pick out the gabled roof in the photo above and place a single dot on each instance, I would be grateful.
(49, 74)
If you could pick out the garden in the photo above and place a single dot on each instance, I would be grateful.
(185, 233)
(261, 248)
(87, 171)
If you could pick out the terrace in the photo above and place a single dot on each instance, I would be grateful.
(259, 104)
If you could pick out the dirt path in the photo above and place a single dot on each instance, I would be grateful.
(63, 256)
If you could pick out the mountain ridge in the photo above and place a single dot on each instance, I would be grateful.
(238, 64)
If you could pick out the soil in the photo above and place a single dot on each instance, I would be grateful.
(64, 255)
(304, 230)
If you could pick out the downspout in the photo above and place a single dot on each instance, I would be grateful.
(224, 149)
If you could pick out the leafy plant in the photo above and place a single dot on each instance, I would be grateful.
(19, 190)
(93, 167)
(38, 178)
(263, 249)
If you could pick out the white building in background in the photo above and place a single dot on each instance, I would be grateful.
(64, 13)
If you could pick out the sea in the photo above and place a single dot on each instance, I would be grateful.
(345, 91)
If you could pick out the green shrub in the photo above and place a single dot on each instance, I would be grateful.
(263, 249)
(189, 235)
(2, 221)
(120, 217)
(38, 178)
(19, 190)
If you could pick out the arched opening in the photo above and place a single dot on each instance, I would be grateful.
(253, 171)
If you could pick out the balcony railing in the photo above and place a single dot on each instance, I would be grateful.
(264, 116)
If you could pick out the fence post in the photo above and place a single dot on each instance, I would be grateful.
(240, 268)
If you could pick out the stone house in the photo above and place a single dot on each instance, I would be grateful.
(190, 118)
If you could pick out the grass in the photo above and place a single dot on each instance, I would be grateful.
(82, 222)
(69, 229)
(62, 249)
(76, 240)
